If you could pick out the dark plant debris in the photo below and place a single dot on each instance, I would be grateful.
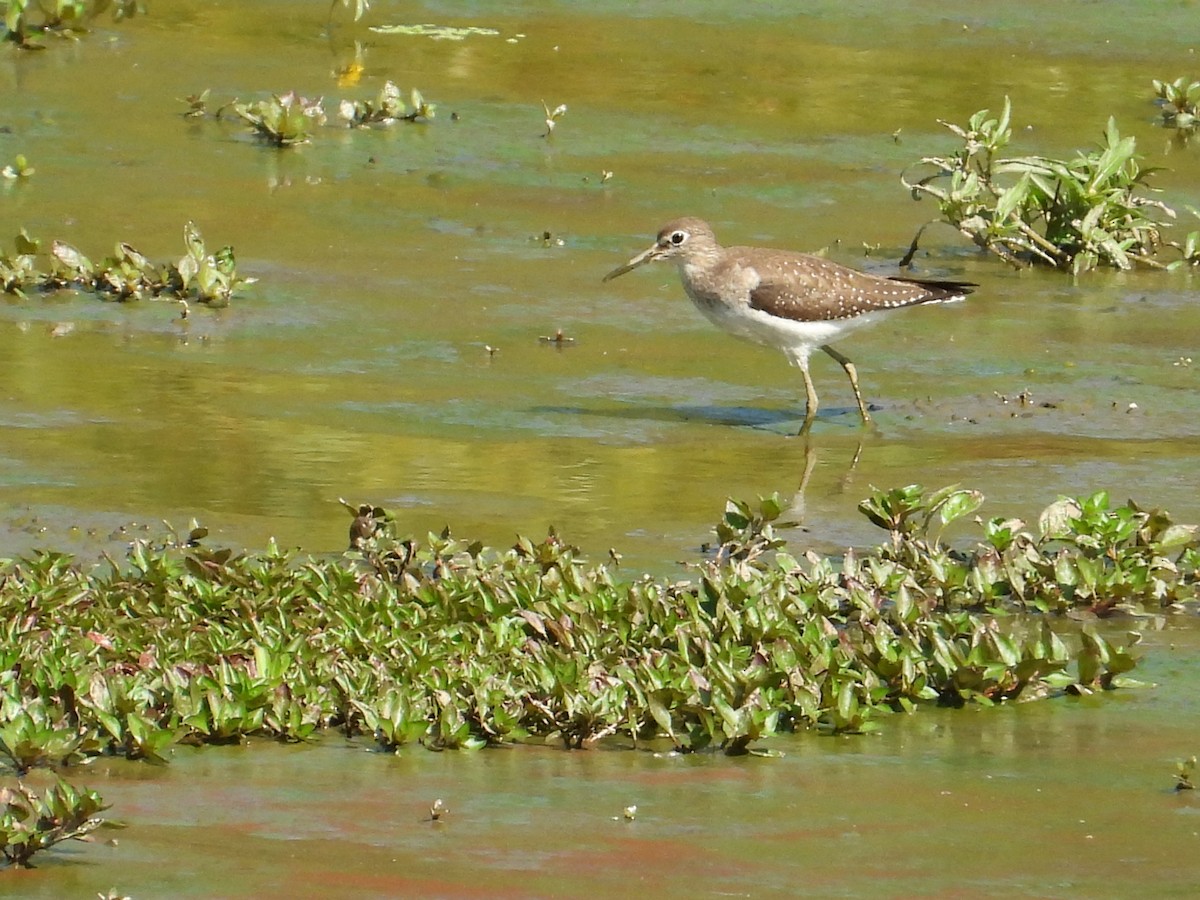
(558, 339)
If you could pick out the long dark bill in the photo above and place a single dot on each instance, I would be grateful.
(641, 259)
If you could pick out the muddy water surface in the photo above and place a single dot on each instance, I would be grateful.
(389, 261)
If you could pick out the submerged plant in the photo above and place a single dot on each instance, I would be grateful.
(1071, 214)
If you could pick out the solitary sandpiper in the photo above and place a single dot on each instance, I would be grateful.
(784, 299)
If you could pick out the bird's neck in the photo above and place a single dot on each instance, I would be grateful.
(701, 276)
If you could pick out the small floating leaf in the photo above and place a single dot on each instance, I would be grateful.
(436, 32)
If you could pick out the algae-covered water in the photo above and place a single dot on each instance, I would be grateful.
(390, 353)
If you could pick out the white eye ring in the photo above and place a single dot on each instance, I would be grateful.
(677, 237)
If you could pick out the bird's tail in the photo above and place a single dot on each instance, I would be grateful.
(939, 291)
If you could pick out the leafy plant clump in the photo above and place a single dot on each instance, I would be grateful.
(451, 645)
(387, 108)
(1179, 102)
(25, 19)
(282, 120)
(30, 823)
(19, 168)
(210, 278)
(1183, 774)
(289, 119)
(1071, 214)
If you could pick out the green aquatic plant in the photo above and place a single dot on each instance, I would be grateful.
(31, 823)
(18, 270)
(552, 117)
(289, 119)
(24, 19)
(60, 15)
(210, 278)
(387, 108)
(283, 120)
(33, 734)
(1179, 102)
(197, 104)
(1191, 246)
(1073, 214)
(451, 645)
(1183, 774)
(17, 169)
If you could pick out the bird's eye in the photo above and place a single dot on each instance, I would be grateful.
(677, 238)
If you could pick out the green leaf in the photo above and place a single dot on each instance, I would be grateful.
(71, 258)
(194, 242)
(960, 503)
(1115, 157)
(1055, 520)
(661, 715)
(1178, 536)
(27, 245)
(1013, 197)
(847, 702)
(1002, 127)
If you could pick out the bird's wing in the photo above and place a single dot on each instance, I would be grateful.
(808, 288)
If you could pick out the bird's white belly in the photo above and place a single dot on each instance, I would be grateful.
(794, 338)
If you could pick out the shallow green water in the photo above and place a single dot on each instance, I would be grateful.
(389, 260)
(357, 367)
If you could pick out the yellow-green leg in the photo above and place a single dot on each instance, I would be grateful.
(810, 397)
(853, 373)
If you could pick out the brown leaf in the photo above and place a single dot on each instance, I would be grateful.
(536, 622)
(97, 638)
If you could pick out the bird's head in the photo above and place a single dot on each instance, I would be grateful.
(680, 240)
